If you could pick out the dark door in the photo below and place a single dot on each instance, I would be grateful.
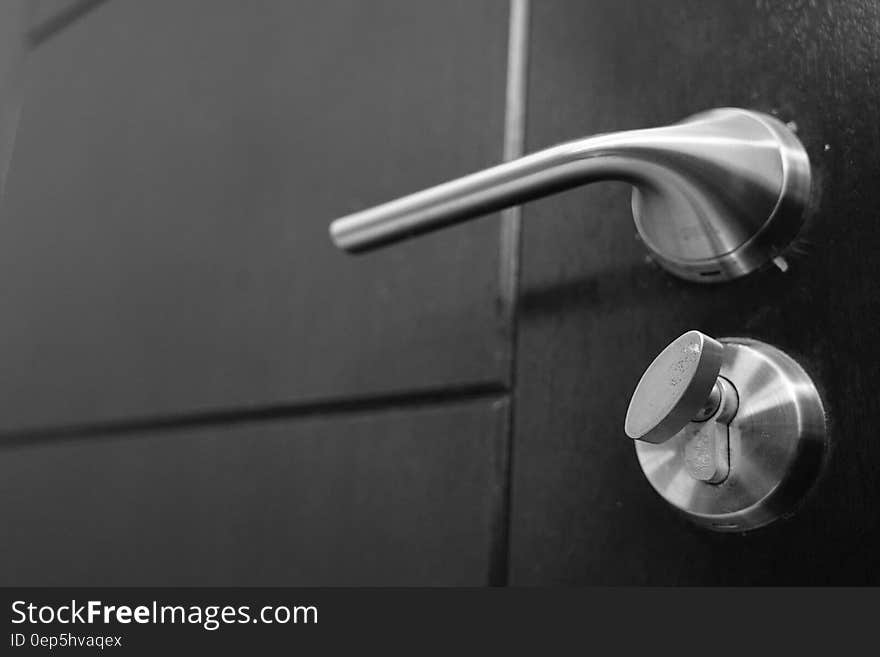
(198, 387)
(594, 311)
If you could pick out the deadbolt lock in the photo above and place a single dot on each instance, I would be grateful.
(731, 432)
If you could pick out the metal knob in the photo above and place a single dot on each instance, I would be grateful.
(680, 386)
(731, 432)
(715, 196)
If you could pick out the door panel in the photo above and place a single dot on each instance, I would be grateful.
(594, 311)
(164, 244)
(400, 497)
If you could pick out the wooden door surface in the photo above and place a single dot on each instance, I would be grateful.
(594, 311)
(176, 167)
(199, 388)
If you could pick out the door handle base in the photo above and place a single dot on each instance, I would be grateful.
(743, 202)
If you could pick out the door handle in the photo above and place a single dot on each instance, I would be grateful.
(730, 432)
(715, 196)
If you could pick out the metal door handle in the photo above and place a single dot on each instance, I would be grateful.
(715, 196)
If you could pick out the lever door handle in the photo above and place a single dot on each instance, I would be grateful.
(715, 196)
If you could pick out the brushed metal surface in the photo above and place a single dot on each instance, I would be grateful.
(777, 441)
(716, 196)
(675, 388)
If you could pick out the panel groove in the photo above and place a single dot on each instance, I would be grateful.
(395, 401)
(509, 258)
(13, 46)
(46, 29)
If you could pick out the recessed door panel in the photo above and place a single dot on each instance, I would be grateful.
(164, 245)
(395, 497)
